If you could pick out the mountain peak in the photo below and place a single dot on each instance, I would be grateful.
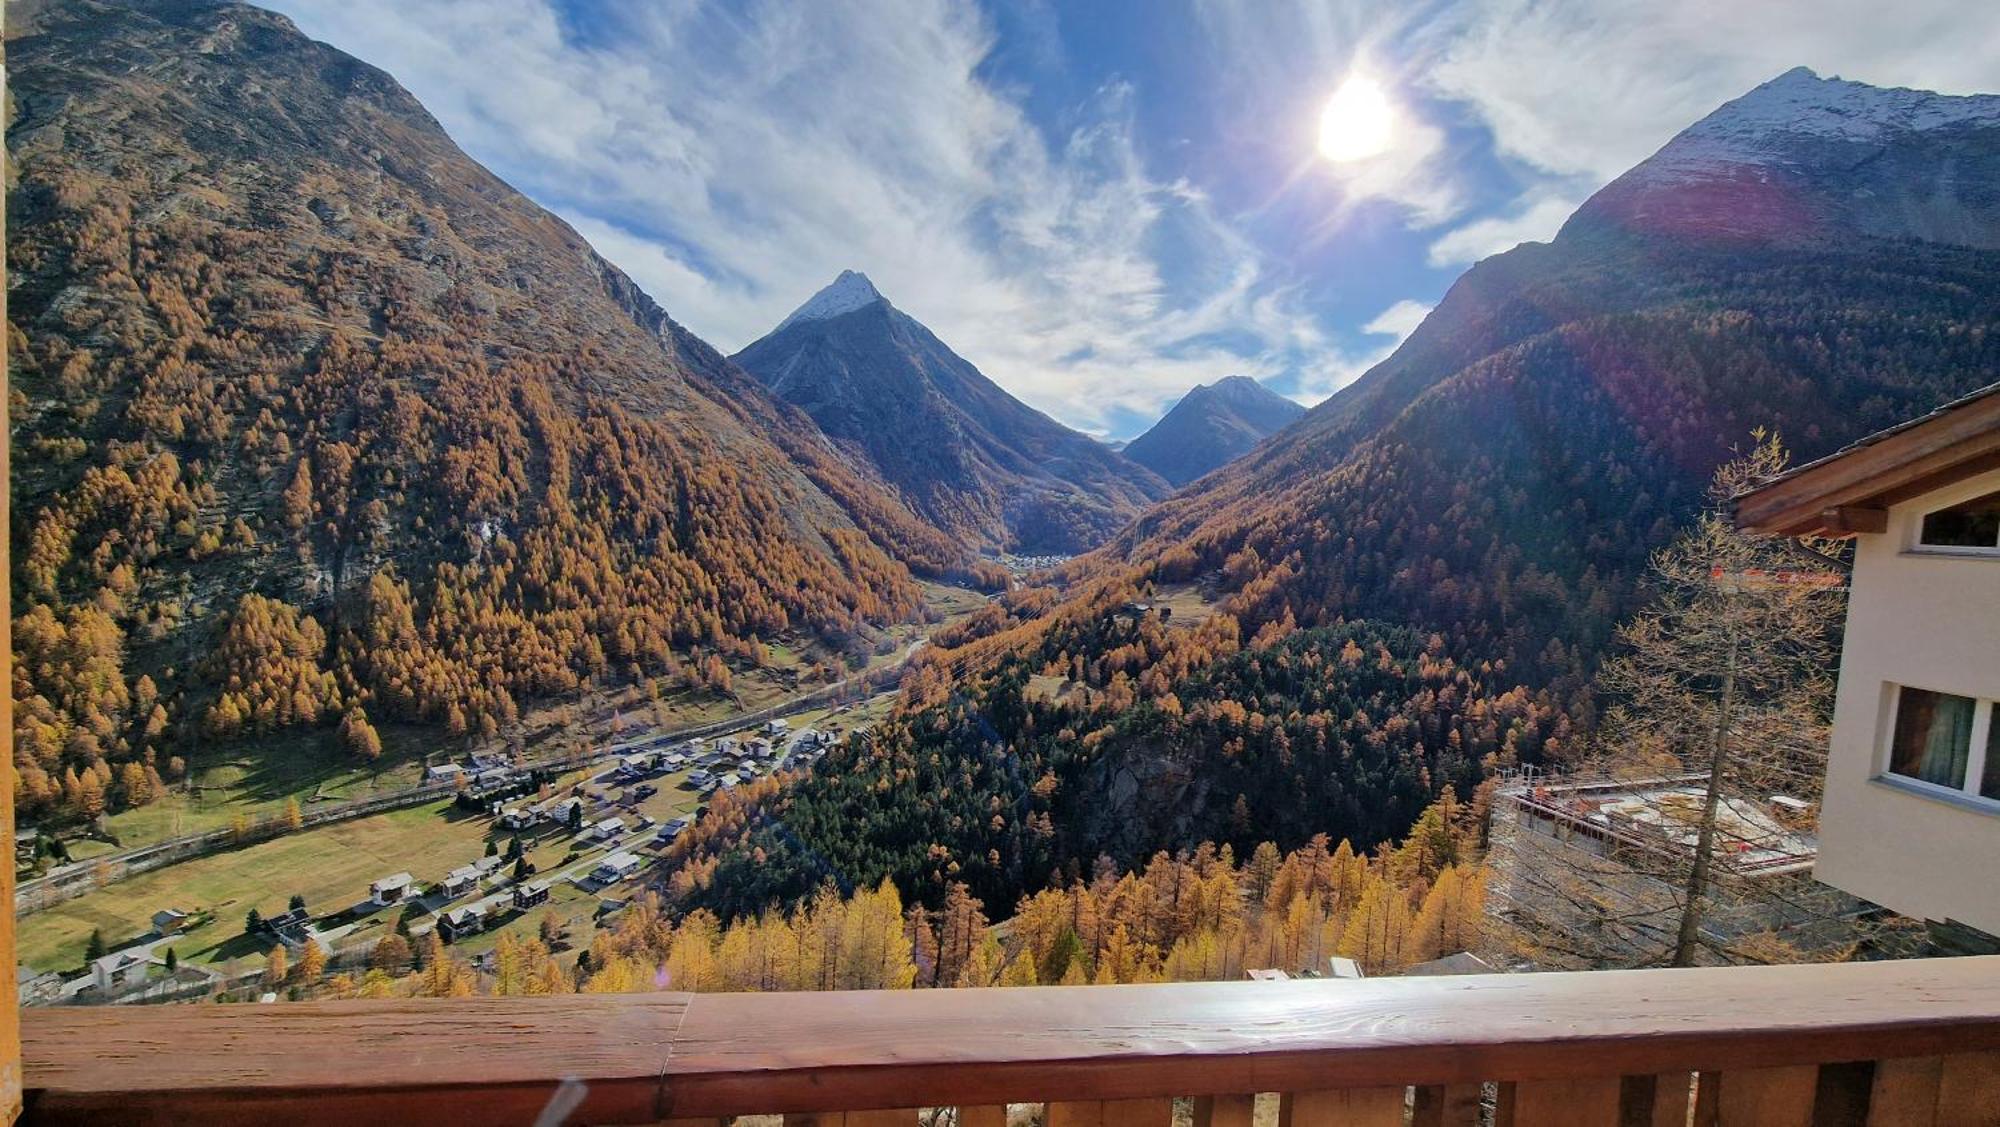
(1212, 424)
(1801, 103)
(1807, 158)
(845, 294)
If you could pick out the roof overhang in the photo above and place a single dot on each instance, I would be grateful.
(1850, 492)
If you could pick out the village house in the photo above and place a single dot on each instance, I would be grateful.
(290, 927)
(390, 889)
(167, 921)
(444, 773)
(119, 970)
(607, 830)
(460, 922)
(616, 867)
(531, 894)
(1911, 813)
(458, 882)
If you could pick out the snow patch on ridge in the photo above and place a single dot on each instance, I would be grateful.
(849, 292)
(1799, 104)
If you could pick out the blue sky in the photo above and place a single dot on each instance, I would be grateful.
(1099, 203)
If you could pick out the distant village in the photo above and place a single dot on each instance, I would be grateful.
(599, 822)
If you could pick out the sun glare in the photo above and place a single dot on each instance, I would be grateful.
(1358, 121)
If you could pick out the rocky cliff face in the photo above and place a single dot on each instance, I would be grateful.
(977, 462)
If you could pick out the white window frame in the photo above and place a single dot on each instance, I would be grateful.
(1955, 497)
(1983, 718)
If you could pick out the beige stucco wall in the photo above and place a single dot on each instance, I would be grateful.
(1931, 621)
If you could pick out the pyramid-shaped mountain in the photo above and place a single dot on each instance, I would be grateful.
(976, 461)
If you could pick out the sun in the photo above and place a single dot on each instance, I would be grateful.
(1358, 121)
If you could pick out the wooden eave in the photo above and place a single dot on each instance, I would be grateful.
(1850, 492)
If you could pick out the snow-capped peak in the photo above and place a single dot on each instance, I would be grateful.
(847, 293)
(1801, 104)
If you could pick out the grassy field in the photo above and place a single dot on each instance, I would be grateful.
(330, 867)
(1186, 601)
(254, 780)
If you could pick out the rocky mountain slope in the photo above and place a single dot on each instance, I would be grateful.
(1803, 160)
(1210, 426)
(1558, 413)
(977, 462)
(316, 418)
(1475, 513)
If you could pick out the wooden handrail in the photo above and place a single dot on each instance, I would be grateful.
(650, 1057)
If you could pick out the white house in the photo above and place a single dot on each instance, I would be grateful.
(1911, 818)
(459, 881)
(119, 969)
(616, 867)
(606, 830)
(444, 773)
(390, 889)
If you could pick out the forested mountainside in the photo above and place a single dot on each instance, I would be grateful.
(981, 465)
(1212, 425)
(317, 421)
(1496, 487)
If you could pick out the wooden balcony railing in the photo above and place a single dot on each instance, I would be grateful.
(1876, 1043)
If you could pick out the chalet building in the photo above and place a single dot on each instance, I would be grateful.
(459, 881)
(530, 895)
(460, 922)
(390, 889)
(292, 928)
(119, 970)
(1911, 817)
(615, 868)
(167, 921)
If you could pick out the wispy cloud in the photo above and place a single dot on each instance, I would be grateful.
(1574, 92)
(1536, 217)
(734, 162)
(733, 158)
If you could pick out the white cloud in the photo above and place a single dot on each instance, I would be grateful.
(1399, 320)
(1338, 368)
(734, 158)
(1580, 90)
(1534, 220)
(734, 162)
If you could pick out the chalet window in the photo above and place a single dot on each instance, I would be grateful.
(1989, 783)
(1948, 741)
(1933, 737)
(1968, 524)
